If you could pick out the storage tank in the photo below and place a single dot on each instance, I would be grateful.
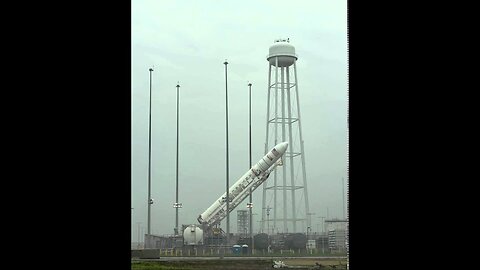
(296, 241)
(193, 235)
(261, 241)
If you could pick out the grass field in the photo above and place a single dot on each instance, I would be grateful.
(210, 264)
(254, 264)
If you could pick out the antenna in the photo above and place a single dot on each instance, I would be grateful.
(343, 191)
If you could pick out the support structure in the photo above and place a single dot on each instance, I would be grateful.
(288, 191)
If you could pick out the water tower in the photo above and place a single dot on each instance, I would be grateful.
(286, 194)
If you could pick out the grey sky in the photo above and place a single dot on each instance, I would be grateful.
(188, 41)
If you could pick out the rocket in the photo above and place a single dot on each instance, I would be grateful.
(241, 189)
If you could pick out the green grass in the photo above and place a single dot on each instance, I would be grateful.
(232, 264)
(157, 266)
(203, 264)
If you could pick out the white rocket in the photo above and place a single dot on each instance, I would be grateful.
(241, 189)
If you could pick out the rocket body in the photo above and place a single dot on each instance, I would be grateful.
(241, 189)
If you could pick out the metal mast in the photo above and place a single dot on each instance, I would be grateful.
(250, 204)
(226, 126)
(177, 205)
(149, 202)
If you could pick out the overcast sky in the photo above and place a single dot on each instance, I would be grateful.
(188, 41)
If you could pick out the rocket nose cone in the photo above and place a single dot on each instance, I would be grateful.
(282, 147)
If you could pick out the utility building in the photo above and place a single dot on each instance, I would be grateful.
(242, 222)
(336, 229)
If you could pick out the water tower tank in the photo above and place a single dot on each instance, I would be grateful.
(285, 52)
